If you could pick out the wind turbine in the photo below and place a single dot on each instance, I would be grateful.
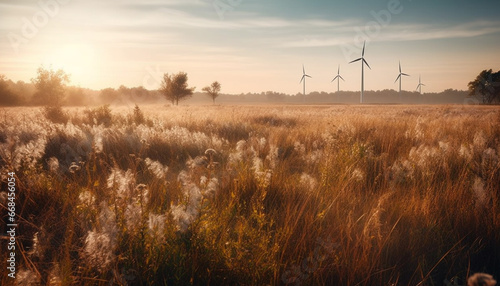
(304, 75)
(400, 77)
(363, 62)
(420, 84)
(338, 78)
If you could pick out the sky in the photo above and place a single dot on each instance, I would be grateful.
(252, 45)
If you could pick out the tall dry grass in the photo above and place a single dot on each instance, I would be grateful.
(349, 195)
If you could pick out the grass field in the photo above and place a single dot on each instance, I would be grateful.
(253, 195)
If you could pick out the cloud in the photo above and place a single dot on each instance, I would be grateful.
(393, 33)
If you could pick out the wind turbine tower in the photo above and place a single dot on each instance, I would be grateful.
(338, 78)
(304, 75)
(400, 76)
(420, 84)
(363, 62)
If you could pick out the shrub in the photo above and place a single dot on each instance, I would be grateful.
(55, 114)
(99, 115)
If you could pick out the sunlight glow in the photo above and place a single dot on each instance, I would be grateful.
(78, 60)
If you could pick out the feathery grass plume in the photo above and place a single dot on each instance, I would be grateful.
(481, 279)
(86, 198)
(184, 215)
(465, 153)
(424, 157)
(133, 216)
(357, 175)
(197, 162)
(98, 143)
(263, 176)
(35, 248)
(489, 161)
(156, 168)
(401, 171)
(479, 192)
(374, 224)
(308, 182)
(120, 181)
(156, 226)
(444, 147)
(100, 245)
(272, 156)
(3, 198)
(479, 141)
(236, 157)
(53, 164)
(26, 277)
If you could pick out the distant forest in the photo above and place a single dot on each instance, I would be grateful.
(22, 94)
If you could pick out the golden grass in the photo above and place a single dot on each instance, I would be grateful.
(312, 195)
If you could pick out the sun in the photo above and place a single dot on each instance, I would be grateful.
(76, 59)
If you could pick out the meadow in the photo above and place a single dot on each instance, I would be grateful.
(253, 195)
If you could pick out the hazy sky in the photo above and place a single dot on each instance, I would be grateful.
(251, 45)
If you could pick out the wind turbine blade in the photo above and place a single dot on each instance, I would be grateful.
(338, 71)
(355, 60)
(303, 69)
(397, 78)
(302, 79)
(367, 63)
(405, 74)
(363, 53)
(341, 78)
(423, 84)
(335, 78)
(308, 75)
(399, 66)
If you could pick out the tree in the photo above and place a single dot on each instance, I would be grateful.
(7, 97)
(50, 86)
(213, 90)
(486, 86)
(174, 87)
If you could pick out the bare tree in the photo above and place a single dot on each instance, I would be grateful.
(213, 90)
(174, 87)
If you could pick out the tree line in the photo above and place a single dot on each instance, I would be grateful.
(51, 88)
